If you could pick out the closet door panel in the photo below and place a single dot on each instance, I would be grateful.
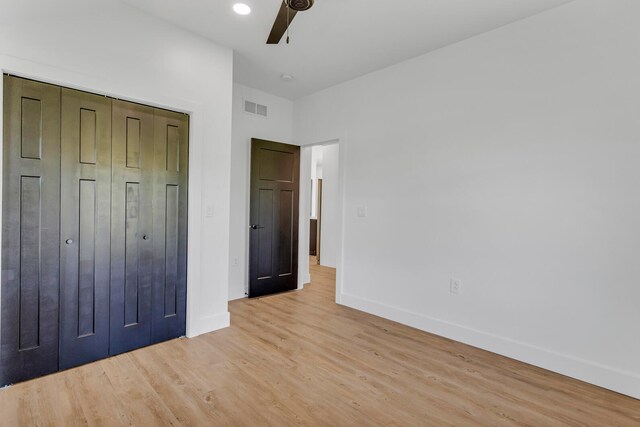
(170, 225)
(85, 228)
(131, 226)
(31, 233)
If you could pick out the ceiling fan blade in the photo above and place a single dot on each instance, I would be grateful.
(280, 25)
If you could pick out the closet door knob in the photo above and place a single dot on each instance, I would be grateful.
(68, 241)
(145, 237)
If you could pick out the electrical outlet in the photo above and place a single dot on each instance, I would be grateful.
(236, 262)
(210, 211)
(456, 286)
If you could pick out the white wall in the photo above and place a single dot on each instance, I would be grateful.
(509, 161)
(110, 48)
(277, 127)
(330, 206)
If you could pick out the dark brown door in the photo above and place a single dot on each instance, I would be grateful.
(313, 236)
(30, 230)
(170, 225)
(131, 226)
(84, 228)
(275, 177)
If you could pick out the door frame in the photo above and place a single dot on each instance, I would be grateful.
(305, 201)
(196, 322)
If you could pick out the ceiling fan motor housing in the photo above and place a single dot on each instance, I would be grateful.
(300, 5)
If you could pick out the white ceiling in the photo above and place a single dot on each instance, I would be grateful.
(337, 40)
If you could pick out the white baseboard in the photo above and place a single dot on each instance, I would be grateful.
(303, 279)
(236, 293)
(209, 324)
(594, 373)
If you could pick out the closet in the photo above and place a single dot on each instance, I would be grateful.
(94, 228)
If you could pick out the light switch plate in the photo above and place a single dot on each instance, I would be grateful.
(362, 211)
(210, 211)
(456, 286)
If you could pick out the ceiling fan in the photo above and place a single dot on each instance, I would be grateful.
(288, 10)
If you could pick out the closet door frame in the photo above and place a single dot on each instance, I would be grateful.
(186, 216)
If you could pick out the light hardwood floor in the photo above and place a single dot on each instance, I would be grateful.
(299, 358)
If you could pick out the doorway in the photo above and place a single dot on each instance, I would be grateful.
(324, 205)
(315, 221)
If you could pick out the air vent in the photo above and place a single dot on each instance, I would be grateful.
(250, 107)
(255, 108)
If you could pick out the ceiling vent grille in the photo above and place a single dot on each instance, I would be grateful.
(255, 108)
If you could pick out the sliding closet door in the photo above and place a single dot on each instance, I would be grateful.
(170, 225)
(131, 226)
(84, 228)
(30, 234)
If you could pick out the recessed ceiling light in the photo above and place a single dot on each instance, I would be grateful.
(286, 78)
(241, 9)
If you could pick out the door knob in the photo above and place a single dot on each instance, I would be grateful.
(145, 237)
(68, 241)
(255, 226)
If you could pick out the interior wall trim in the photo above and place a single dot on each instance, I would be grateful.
(209, 324)
(584, 370)
(236, 293)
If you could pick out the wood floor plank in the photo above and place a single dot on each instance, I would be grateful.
(144, 405)
(300, 359)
